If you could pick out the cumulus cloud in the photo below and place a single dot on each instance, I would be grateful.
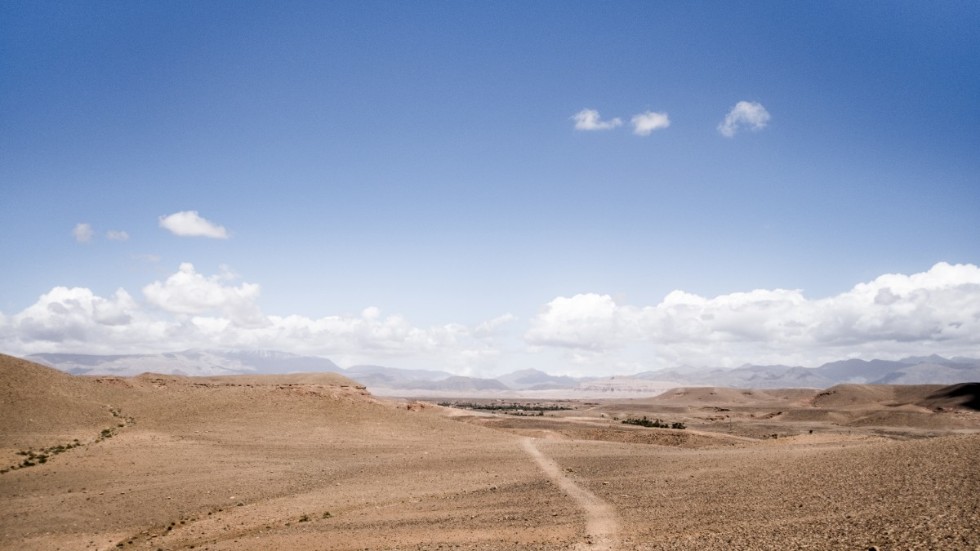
(588, 119)
(83, 232)
(116, 235)
(892, 316)
(193, 310)
(66, 318)
(586, 321)
(189, 223)
(745, 114)
(895, 315)
(188, 292)
(647, 122)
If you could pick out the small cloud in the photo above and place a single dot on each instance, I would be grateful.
(83, 232)
(645, 123)
(745, 114)
(588, 119)
(189, 223)
(117, 235)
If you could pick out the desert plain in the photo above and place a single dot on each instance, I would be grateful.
(314, 461)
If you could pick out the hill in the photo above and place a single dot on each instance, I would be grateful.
(106, 462)
(966, 396)
(533, 379)
(313, 461)
(920, 370)
(188, 363)
(39, 404)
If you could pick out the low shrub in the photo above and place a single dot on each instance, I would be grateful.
(653, 423)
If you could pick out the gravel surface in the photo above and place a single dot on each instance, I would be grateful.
(314, 462)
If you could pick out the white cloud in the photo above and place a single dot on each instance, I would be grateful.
(189, 223)
(585, 321)
(891, 316)
(647, 122)
(75, 318)
(745, 114)
(895, 315)
(83, 232)
(117, 235)
(193, 310)
(371, 313)
(188, 292)
(588, 119)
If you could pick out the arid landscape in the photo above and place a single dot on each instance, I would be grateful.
(314, 461)
(375, 275)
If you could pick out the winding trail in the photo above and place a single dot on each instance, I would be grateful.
(602, 522)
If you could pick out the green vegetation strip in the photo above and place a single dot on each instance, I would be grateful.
(654, 424)
(503, 407)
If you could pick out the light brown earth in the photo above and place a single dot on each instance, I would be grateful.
(315, 462)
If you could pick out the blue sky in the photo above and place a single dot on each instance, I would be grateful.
(406, 182)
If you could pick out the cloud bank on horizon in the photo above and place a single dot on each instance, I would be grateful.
(892, 316)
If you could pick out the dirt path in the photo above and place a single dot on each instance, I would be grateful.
(602, 523)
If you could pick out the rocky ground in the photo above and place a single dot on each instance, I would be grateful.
(314, 462)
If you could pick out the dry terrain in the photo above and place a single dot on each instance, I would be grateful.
(315, 462)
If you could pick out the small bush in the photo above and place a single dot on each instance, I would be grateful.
(644, 422)
(654, 423)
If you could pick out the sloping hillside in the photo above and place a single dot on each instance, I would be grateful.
(863, 396)
(39, 404)
(162, 460)
(966, 395)
(718, 396)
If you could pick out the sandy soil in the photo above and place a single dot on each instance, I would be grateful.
(315, 462)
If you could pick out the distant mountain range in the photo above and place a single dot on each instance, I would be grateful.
(189, 362)
(908, 371)
(393, 381)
